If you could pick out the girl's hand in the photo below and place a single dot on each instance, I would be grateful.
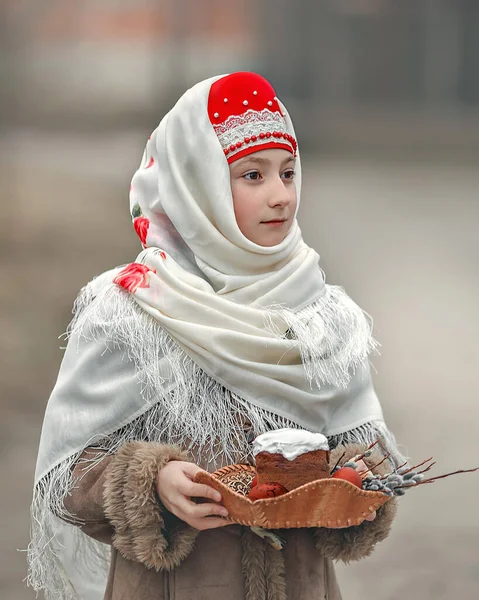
(175, 487)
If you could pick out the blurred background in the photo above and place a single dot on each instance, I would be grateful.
(385, 99)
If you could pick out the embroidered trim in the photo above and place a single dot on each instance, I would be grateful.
(263, 138)
(252, 128)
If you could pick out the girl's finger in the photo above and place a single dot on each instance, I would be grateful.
(205, 510)
(200, 490)
(187, 510)
(190, 469)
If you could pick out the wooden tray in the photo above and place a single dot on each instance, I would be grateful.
(331, 503)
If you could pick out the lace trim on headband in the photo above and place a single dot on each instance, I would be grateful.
(252, 128)
(251, 117)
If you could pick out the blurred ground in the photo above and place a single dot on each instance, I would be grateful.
(401, 237)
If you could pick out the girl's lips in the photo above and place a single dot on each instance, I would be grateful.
(276, 223)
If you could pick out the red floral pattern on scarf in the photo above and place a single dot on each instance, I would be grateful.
(133, 276)
(141, 225)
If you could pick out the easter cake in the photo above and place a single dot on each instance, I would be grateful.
(291, 457)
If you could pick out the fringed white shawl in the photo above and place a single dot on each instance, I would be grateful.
(216, 333)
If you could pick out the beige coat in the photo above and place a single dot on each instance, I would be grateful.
(155, 556)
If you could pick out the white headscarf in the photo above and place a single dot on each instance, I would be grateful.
(213, 290)
(231, 326)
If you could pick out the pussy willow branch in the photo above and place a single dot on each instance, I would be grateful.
(339, 460)
(432, 479)
(369, 448)
(427, 468)
(361, 473)
(416, 466)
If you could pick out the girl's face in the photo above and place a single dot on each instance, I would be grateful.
(264, 195)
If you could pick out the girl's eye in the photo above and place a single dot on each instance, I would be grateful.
(252, 176)
(288, 174)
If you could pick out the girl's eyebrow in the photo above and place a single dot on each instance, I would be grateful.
(262, 161)
(253, 159)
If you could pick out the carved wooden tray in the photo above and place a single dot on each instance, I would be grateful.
(331, 503)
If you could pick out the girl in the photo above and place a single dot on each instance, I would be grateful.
(222, 329)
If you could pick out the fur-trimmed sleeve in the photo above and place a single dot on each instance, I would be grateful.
(144, 530)
(356, 542)
(116, 502)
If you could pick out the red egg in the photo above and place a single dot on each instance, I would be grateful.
(266, 490)
(349, 474)
(255, 481)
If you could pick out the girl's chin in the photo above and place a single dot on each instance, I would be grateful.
(273, 239)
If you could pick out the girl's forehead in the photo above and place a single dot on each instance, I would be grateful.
(273, 156)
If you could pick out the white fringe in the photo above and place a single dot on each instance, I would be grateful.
(45, 570)
(190, 408)
(334, 336)
(195, 411)
(185, 406)
(368, 434)
(48, 515)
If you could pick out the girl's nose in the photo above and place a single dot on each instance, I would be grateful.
(279, 195)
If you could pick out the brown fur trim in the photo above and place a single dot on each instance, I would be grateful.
(144, 531)
(253, 565)
(275, 574)
(354, 543)
(263, 569)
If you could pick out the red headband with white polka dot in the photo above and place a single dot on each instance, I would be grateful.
(246, 116)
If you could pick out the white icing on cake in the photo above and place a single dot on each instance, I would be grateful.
(291, 443)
